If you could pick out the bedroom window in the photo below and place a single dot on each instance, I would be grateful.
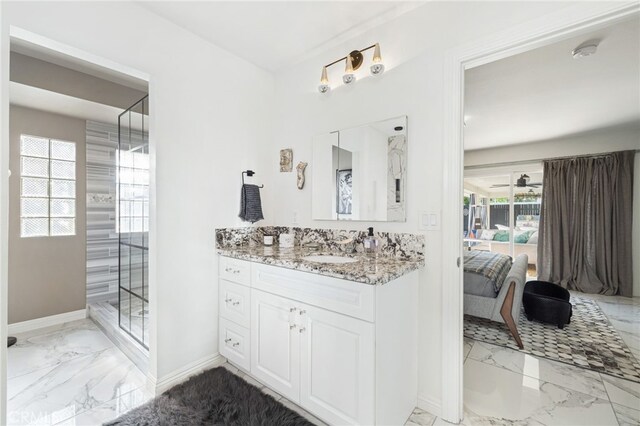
(47, 187)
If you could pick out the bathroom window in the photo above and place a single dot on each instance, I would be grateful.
(47, 187)
(132, 191)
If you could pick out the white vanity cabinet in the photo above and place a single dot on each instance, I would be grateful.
(344, 351)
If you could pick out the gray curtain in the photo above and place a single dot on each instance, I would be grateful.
(585, 225)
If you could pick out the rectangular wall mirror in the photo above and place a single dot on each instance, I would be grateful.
(360, 173)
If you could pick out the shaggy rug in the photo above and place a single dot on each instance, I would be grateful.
(590, 341)
(215, 397)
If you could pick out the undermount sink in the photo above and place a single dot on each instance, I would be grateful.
(326, 258)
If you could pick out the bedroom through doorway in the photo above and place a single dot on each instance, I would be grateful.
(547, 184)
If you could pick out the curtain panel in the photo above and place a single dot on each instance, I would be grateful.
(585, 225)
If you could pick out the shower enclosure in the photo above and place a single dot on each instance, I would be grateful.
(132, 194)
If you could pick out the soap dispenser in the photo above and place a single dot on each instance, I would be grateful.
(371, 245)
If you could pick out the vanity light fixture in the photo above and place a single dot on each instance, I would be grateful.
(324, 82)
(353, 61)
(348, 76)
(377, 67)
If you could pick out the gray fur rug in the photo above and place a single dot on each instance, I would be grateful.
(214, 397)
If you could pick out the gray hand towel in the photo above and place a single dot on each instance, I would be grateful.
(250, 204)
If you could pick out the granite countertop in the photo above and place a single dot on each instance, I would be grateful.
(367, 271)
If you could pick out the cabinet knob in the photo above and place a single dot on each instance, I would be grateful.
(292, 309)
(292, 326)
(302, 329)
(303, 312)
(236, 344)
(228, 300)
(227, 340)
(236, 303)
(236, 271)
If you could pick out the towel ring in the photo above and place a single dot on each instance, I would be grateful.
(249, 173)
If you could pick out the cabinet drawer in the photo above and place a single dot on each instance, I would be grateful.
(234, 343)
(235, 303)
(234, 270)
(346, 297)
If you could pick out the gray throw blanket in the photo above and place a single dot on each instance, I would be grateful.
(250, 203)
(493, 266)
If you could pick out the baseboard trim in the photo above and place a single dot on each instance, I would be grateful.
(34, 324)
(431, 405)
(183, 373)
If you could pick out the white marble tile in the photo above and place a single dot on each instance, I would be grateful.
(46, 348)
(109, 410)
(73, 386)
(578, 379)
(627, 416)
(421, 417)
(623, 392)
(494, 395)
(468, 344)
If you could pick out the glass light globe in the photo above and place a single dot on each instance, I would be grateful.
(348, 78)
(377, 68)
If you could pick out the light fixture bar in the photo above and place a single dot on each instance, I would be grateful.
(353, 61)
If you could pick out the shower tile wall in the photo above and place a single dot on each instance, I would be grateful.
(102, 240)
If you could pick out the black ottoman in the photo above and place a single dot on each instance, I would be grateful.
(547, 302)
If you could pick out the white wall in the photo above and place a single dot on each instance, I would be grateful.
(604, 140)
(210, 118)
(620, 138)
(413, 47)
(635, 250)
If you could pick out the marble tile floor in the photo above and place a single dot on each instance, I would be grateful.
(72, 375)
(503, 386)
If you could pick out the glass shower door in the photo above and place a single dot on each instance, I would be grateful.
(133, 220)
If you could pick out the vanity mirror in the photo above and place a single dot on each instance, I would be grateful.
(360, 173)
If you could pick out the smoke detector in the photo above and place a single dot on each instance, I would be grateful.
(584, 50)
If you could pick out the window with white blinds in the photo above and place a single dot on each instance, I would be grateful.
(47, 187)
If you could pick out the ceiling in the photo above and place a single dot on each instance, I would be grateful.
(272, 34)
(545, 93)
(484, 184)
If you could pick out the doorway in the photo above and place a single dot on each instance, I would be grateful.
(527, 37)
(64, 366)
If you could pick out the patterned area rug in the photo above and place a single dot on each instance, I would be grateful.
(588, 342)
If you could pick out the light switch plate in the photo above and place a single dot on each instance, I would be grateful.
(430, 220)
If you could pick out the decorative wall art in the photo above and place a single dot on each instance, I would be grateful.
(286, 160)
(344, 191)
(300, 171)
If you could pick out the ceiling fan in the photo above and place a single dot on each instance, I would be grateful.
(522, 182)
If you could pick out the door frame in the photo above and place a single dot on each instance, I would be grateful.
(8, 33)
(565, 23)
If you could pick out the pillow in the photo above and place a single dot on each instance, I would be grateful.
(488, 234)
(521, 237)
(533, 239)
(502, 227)
(501, 236)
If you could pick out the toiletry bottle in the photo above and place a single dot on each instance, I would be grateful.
(371, 245)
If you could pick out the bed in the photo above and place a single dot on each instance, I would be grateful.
(493, 287)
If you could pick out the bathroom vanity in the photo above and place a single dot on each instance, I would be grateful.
(338, 339)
